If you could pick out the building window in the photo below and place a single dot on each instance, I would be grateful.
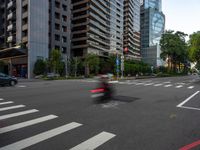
(57, 4)
(57, 47)
(64, 7)
(64, 18)
(64, 29)
(57, 37)
(64, 39)
(57, 26)
(64, 50)
(57, 15)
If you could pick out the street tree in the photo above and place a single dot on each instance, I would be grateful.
(55, 60)
(194, 48)
(91, 64)
(173, 48)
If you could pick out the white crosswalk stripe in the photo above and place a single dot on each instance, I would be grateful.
(179, 86)
(1, 99)
(11, 107)
(190, 87)
(26, 124)
(94, 142)
(18, 114)
(148, 84)
(4, 103)
(40, 137)
(169, 85)
(158, 84)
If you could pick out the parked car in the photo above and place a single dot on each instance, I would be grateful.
(7, 80)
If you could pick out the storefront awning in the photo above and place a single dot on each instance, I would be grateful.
(12, 52)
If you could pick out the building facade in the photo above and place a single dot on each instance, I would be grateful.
(29, 30)
(152, 28)
(97, 27)
(132, 29)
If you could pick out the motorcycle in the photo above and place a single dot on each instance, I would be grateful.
(104, 92)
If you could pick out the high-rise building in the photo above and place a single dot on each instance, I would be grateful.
(97, 27)
(29, 29)
(132, 29)
(152, 28)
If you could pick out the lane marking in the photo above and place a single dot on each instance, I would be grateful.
(8, 102)
(192, 108)
(158, 84)
(169, 85)
(190, 87)
(94, 142)
(148, 84)
(21, 86)
(167, 82)
(26, 123)
(189, 98)
(179, 86)
(190, 146)
(139, 83)
(1, 99)
(40, 137)
(11, 107)
(18, 114)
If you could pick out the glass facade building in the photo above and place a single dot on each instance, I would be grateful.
(152, 27)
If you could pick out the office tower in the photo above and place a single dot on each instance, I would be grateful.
(152, 27)
(97, 27)
(29, 30)
(132, 29)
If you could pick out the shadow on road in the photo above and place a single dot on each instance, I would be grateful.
(125, 99)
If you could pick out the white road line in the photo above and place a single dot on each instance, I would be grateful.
(158, 84)
(8, 102)
(179, 86)
(18, 114)
(139, 83)
(192, 108)
(166, 82)
(21, 86)
(190, 87)
(169, 85)
(94, 142)
(189, 98)
(40, 137)
(26, 123)
(11, 107)
(1, 99)
(148, 84)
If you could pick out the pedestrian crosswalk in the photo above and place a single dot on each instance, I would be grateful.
(86, 144)
(156, 84)
(165, 84)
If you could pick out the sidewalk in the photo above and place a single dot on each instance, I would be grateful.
(29, 80)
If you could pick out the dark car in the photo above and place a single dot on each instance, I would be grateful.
(7, 80)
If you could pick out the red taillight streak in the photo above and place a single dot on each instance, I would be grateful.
(97, 90)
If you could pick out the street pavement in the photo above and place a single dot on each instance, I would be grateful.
(145, 114)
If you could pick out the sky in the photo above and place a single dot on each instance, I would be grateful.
(182, 15)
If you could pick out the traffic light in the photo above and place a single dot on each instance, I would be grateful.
(125, 50)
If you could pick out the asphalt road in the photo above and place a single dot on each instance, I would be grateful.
(147, 114)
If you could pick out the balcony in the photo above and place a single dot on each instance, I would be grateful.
(25, 14)
(10, 27)
(10, 16)
(24, 3)
(10, 4)
(10, 39)
(25, 27)
(25, 39)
